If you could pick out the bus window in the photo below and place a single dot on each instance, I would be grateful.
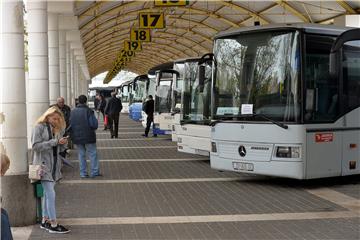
(351, 75)
(318, 82)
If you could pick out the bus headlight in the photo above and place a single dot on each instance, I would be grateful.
(213, 147)
(288, 152)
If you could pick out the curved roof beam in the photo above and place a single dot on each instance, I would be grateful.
(172, 17)
(150, 54)
(261, 12)
(294, 11)
(105, 49)
(346, 6)
(109, 40)
(94, 39)
(116, 9)
(245, 10)
(100, 36)
(119, 45)
(115, 53)
(159, 35)
(93, 7)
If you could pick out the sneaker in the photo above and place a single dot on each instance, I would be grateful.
(155, 135)
(58, 229)
(144, 135)
(46, 225)
(84, 176)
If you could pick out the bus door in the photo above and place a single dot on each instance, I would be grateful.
(323, 144)
(346, 65)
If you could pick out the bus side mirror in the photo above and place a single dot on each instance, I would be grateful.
(201, 77)
(335, 52)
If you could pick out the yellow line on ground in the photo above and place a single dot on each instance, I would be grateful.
(207, 218)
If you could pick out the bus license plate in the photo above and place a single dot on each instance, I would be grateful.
(202, 152)
(243, 166)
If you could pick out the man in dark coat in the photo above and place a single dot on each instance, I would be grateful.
(83, 125)
(112, 110)
(65, 109)
(149, 110)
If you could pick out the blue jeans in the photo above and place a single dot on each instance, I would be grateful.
(90, 148)
(5, 226)
(48, 201)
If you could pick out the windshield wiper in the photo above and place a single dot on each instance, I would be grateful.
(282, 125)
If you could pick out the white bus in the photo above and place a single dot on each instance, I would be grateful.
(176, 104)
(149, 90)
(194, 132)
(286, 101)
(163, 112)
(124, 93)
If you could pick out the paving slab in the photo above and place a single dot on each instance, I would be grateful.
(346, 229)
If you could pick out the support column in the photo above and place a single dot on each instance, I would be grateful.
(17, 192)
(38, 97)
(53, 35)
(68, 75)
(62, 65)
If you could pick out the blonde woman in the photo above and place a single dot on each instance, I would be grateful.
(5, 222)
(47, 142)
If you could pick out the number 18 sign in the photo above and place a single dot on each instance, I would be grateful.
(140, 35)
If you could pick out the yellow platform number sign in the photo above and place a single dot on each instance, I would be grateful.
(132, 46)
(170, 3)
(140, 35)
(151, 20)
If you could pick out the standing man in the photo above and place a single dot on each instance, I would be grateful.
(83, 125)
(149, 110)
(65, 109)
(96, 104)
(113, 109)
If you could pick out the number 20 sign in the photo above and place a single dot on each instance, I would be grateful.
(140, 35)
(151, 20)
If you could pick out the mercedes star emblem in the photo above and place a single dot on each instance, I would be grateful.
(242, 151)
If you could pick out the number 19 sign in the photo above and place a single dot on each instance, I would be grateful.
(140, 35)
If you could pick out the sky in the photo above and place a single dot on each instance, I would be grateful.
(122, 76)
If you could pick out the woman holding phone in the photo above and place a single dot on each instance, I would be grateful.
(47, 142)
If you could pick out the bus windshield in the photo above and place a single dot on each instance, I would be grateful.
(196, 100)
(125, 93)
(177, 87)
(257, 74)
(163, 92)
(140, 91)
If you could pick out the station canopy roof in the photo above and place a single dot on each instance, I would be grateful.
(189, 29)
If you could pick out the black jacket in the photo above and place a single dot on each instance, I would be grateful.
(83, 125)
(113, 106)
(149, 107)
